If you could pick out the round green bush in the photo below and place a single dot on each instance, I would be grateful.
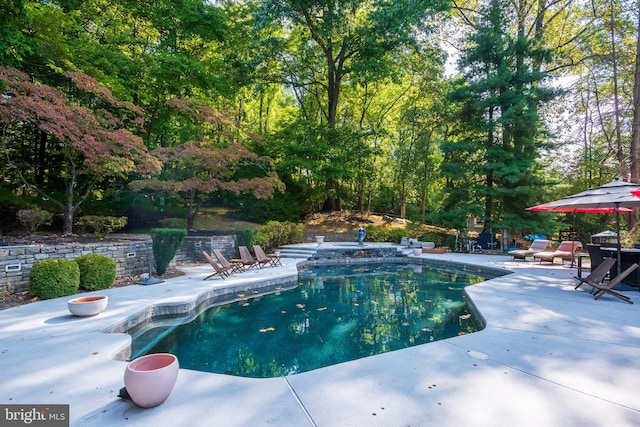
(96, 271)
(53, 278)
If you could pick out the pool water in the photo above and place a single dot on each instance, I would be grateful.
(335, 314)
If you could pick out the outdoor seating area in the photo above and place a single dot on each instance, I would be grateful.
(224, 267)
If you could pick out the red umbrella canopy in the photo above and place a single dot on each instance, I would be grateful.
(617, 193)
(546, 208)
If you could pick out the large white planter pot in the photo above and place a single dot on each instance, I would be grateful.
(417, 251)
(149, 379)
(87, 306)
(319, 240)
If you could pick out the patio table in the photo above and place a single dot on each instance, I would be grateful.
(628, 256)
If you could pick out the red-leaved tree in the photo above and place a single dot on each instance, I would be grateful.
(193, 171)
(81, 124)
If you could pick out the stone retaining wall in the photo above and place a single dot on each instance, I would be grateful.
(132, 257)
(357, 252)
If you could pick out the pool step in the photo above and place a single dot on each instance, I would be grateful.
(293, 251)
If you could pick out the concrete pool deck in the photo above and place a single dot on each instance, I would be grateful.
(549, 356)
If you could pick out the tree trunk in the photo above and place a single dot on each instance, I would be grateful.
(40, 158)
(635, 128)
(624, 172)
(69, 210)
(403, 201)
(360, 205)
(635, 133)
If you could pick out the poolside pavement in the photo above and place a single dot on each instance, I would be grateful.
(549, 356)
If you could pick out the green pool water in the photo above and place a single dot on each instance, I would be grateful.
(335, 314)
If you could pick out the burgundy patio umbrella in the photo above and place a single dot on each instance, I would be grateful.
(546, 208)
(616, 195)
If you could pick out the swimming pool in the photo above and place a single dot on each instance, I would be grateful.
(335, 314)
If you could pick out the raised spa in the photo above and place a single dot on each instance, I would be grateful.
(334, 314)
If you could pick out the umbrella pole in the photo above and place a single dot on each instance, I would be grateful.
(573, 237)
(618, 234)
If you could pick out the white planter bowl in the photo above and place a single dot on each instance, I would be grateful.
(149, 379)
(87, 306)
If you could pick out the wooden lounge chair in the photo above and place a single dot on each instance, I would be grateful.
(261, 257)
(597, 275)
(236, 265)
(566, 251)
(218, 270)
(538, 245)
(607, 288)
(247, 259)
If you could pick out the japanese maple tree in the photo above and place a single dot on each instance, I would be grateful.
(82, 135)
(192, 171)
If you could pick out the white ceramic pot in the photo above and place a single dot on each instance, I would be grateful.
(417, 251)
(149, 379)
(87, 306)
(319, 239)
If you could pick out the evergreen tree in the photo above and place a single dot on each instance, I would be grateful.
(491, 160)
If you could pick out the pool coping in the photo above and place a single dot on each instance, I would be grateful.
(554, 357)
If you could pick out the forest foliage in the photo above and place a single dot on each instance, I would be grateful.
(428, 110)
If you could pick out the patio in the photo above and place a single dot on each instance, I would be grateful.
(548, 356)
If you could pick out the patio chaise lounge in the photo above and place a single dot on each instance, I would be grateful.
(538, 245)
(566, 251)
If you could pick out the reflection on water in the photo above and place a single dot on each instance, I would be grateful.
(336, 314)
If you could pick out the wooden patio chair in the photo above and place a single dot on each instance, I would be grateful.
(236, 265)
(247, 259)
(218, 270)
(261, 257)
(607, 288)
(597, 275)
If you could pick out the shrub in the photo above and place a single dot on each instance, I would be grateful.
(376, 233)
(295, 232)
(101, 225)
(274, 234)
(395, 235)
(165, 244)
(34, 218)
(173, 222)
(96, 271)
(451, 242)
(245, 236)
(53, 278)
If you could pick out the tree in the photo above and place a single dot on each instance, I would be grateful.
(14, 44)
(331, 42)
(192, 171)
(79, 135)
(498, 126)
